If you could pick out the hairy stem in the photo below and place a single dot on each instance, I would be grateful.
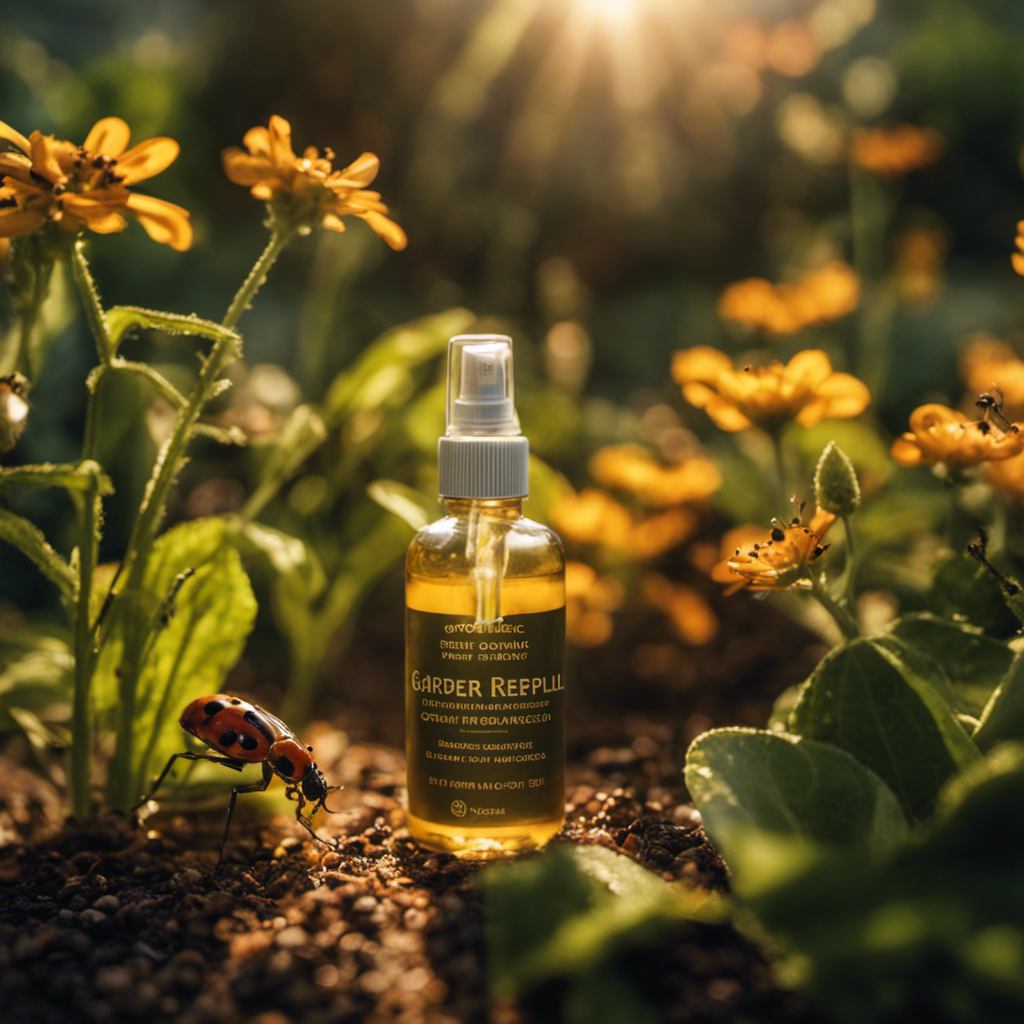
(837, 609)
(89, 509)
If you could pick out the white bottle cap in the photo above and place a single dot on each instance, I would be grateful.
(483, 453)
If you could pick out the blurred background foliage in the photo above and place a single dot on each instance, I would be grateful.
(588, 175)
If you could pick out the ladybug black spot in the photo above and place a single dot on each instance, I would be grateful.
(212, 707)
(247, 742)
(227, 738)
(284, 766)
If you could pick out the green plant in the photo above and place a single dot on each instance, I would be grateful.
(175, 614)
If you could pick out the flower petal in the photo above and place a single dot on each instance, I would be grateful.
(243, 169)
(257, 141)
(14, 165)
(386, 229)
(15, 222)
(8, 134)
(147, 158)
(808, 369)
(702, 363)
(281, 140)
(108, 137)
(360, 172)
(44, 159)
(906, 451)
(164, 222)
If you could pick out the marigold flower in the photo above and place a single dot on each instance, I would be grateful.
(628, 467)
(824, 294)
(782, 558)
(307, 189)
(940, 434)
(46, 180)
(893, 151)
(805, 389)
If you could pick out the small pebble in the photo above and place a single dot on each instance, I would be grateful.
(364, 905)
(92, 919)
(107, 904)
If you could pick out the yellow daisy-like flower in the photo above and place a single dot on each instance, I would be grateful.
(46, 180)
(892, 151)
(1017, 258)
(805, 389)
(780, 559)
(628, 467)
(307, 189)
(825, 294)
(939, 434)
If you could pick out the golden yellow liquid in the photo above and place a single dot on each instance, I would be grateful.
(439, 578)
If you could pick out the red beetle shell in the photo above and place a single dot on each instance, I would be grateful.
(246, 732)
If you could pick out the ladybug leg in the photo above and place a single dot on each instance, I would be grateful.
(188, 755)
(306, 823)
(255, 787)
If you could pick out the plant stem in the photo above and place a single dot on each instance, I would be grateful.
(850, 568)
(168, 464)
(89, 514)
(843, 619)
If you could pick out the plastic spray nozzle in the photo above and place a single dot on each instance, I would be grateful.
(480, 390)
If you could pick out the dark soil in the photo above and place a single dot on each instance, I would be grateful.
(113, 920)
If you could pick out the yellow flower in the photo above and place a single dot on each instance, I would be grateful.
(307, 189)
(629, 468)
(589, 601)
(892, 151)
(940, 434)
(46, 180)
(805, 389)
(780, 559)
(653, 536)
(591, 517)
(827, 293)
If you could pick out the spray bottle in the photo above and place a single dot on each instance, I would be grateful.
(485, 632)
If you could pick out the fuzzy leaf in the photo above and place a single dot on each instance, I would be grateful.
(121, 319)
(771, 800)
(867, 700)
(72, 476)
(1003, 716)
(29, 540)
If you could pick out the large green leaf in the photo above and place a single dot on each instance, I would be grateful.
(771, 800)
(1003, 716)
(567, 912)
(973, 662)
(194, 612)
(963, 588)
(36, 674)
(879, 707)
(301, 435)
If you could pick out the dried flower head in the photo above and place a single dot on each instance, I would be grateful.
(781, 559)
(939, 434)
(894, 151)
(805, 389)
(46, 180)
(307, 190)
(827, 293)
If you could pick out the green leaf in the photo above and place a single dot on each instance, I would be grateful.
(769, 800)
(34, 679)
(412, 506)
(382, 377)
(867, 700)
(567, 912)
(166, 389)
(303, 433)
(1003, 716)
(961, 588)
(192, 629)
(29, 540)
(75, 477)
(973, 662)
(121, 319)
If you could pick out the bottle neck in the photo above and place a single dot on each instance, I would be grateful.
(497, 508)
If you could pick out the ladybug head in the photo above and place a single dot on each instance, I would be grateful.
(314, 786)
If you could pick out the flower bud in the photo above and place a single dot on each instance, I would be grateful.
(835, 482)
(13, 409)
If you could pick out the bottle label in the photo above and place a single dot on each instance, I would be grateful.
(485, 716)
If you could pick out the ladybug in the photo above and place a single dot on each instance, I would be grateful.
(244, 733)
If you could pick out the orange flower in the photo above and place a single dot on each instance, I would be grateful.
(653, 536)
(692, 619)
(589, 601)
(827, 293)
(781, 559)
(940, 434)
(1006, 477)
(1017, 258)
(46, 180)
(892, 151)
(805, 389)
(629, 468)
(590, 517)
(308, 190)
(988, 364)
